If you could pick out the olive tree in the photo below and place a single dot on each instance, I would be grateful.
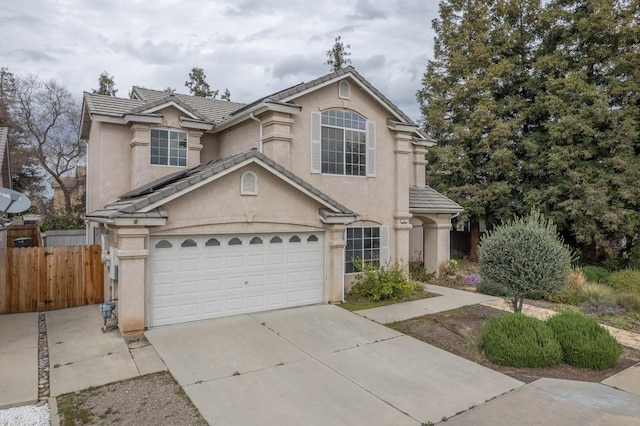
(524, 256)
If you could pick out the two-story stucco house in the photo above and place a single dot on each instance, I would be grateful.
(207, 208)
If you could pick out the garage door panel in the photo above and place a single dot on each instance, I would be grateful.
(213, 276)
(235, 261)
(189, 288)
(235, 305)
(213, 307)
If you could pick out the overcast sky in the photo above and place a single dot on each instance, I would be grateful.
(252, 47)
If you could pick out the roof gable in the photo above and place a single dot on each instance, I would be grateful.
(149, 198)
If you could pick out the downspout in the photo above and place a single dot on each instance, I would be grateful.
(251, 116)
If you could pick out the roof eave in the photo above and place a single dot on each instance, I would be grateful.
(436, 210)
(331, 218)
(257, 109)
(189, 123)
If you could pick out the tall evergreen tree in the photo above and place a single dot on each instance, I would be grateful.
(338, 55)
(198, 85)
(580, 162)
(475, 92)
(106, 85)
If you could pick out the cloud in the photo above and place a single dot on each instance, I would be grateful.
(366, 11)
(30, 55)
(248, 8)
(294, 65)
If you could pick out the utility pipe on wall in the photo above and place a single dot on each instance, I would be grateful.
(253, 117)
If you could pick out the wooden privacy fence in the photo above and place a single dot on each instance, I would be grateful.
(38, 279)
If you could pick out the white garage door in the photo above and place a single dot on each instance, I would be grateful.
(200, 277)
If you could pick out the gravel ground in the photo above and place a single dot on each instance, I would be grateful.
(154, 399)
(29, 415)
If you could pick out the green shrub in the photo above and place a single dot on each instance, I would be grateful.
(524, 257)
(418, 272)
(633, 260)
(595, 274)
(569, 293)
(626, 280)
(630, 302)
(382, 282)
(593, 291)
(520, 341)
(585, 343)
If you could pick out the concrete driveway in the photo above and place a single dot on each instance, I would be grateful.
(319, 365)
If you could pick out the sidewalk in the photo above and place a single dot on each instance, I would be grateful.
(18, 359)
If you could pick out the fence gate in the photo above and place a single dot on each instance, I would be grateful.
(36, 279)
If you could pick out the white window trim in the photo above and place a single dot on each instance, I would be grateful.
(186, 148)
(383, 250)
(316, 146)
(245, 189)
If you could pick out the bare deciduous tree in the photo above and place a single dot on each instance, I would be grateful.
(49, 117)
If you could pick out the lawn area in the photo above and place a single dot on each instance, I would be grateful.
(353, 303)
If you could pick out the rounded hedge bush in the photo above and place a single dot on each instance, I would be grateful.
(585, 343)
(516, 340)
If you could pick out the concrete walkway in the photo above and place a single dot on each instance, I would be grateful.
(81, 355)
(18, 359)
(449, 298)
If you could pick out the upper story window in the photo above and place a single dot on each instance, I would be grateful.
(168, 147)
(342, 143)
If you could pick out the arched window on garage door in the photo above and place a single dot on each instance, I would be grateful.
(163, 244)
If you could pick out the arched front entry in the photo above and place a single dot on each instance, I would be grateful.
(430, 239)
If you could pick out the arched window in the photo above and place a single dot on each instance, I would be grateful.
(342, 143)
(163, 244)
(294, 239)
(256, 240)
(249, 183)
(212, 242)
(275, 240)
(235, 242)
(189, 243)
(312, 239)
(344, 90)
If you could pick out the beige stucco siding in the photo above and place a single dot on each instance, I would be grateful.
(219, 208)
(109, 159)
(237, 139)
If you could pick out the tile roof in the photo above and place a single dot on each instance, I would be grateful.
(110, 105)
(131, 203)
(213, 110)
(424, 199)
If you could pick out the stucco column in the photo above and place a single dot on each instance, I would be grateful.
(401, 215)
(277, 137)
(193, 141)
(139, 154)
(419, 165)
(436, 245)
(335, 263)
(131, 253)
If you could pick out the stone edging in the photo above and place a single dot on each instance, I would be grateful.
(43, 359)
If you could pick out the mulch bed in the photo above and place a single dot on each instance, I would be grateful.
(458, 331)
